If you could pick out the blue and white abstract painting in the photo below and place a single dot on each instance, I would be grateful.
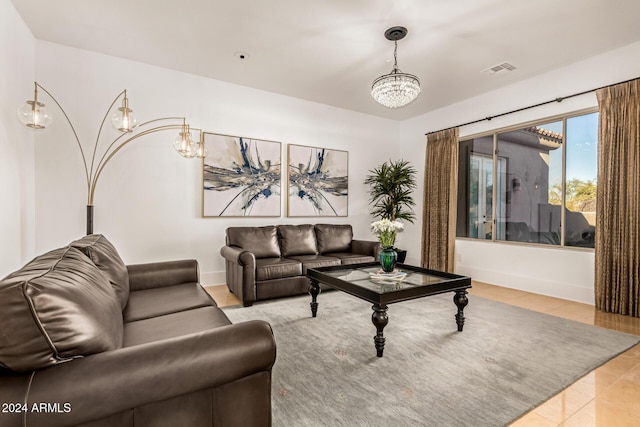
(318, 183)
(242, 177)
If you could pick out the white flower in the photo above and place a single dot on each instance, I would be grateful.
(385, 225)
(386, 231)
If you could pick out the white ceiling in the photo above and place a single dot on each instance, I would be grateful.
(329, 51)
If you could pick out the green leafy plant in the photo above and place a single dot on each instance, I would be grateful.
(390, 191)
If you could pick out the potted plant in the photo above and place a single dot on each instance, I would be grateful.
(390, 193)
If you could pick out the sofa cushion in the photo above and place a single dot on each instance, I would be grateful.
(334, 237)
(155, 302)
(351, 258)
(106, 258)
(57, 307)
(277, 268)
(297, 240)
(261, 241)
(314, 261)
(173, 325)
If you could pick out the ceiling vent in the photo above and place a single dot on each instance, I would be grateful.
(500, 68)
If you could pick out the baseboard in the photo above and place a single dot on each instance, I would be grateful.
(550, 288)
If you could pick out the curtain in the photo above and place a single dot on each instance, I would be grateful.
(440, 197)
(617, 248)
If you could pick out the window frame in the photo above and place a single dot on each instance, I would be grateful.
(494, 134)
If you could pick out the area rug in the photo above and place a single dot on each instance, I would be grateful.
(507, 361)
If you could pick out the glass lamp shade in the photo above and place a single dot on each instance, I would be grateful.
(395, 89)
(124, 120)
(185, 146)
(34, 115)
(201, 150)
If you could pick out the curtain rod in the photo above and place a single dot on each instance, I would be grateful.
(559, 99)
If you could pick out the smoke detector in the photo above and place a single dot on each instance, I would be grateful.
(241, 55)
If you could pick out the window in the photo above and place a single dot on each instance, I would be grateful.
(543, 190)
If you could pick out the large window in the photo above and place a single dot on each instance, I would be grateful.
(543, 190)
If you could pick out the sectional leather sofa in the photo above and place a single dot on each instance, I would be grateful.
(86, 340)
(272, 261)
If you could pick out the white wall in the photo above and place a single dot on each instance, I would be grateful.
(17, 58)
(565, 273)
(148, 199)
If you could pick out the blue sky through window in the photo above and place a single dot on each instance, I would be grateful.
(582, 148)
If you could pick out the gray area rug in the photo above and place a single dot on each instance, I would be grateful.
(507, 361)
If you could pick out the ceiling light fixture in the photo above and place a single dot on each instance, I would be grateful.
(396, 89)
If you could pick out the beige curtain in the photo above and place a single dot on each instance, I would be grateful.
(617, 281)
(440, 197)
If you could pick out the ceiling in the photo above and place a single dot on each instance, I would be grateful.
(330, 51)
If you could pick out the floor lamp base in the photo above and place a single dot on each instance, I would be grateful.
(89, 219)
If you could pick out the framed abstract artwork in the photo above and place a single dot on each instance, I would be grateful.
(318, 181)
(241, 177)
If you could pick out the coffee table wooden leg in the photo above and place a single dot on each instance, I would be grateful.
(314, 290)
(461, 301)
(380, 320)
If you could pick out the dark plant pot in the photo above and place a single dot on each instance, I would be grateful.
(402, 255)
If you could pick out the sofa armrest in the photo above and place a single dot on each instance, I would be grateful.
(115, 381)
(240, 273)
(366, 247)
(160, 274)
(238, 256)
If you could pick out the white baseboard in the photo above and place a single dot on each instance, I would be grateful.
(568, 291)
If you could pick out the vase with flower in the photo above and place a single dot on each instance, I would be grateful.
(386, 231)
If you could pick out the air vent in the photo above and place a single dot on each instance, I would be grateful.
(500, 68)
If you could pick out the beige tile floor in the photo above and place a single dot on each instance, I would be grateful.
(606, 397)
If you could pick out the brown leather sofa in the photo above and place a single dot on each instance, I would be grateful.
(270, 262)
(87, 341)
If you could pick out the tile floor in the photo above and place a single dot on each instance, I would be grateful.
(606, 397)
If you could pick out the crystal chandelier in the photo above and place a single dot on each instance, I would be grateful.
(396, 89)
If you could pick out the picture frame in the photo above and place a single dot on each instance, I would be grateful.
(241, 177)
(317, 182)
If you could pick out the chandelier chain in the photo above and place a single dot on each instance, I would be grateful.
(395, 55)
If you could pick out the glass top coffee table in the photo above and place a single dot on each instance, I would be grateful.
(368, 282)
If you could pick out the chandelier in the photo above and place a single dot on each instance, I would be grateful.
(34, 114)
(396, 89)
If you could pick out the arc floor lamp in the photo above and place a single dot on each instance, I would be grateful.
(35, 116)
